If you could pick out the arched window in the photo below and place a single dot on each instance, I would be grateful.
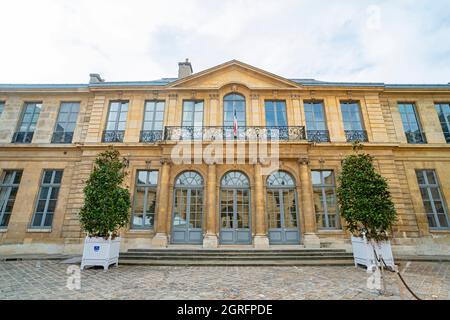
(234, 108)
(189, 178)
(188, 208)
(282, 208)
(235, 209)
(235, 179)
(280, 179)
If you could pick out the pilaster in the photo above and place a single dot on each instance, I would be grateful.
(310, 238)
(261, 240)
(161, 239)
(210, 239)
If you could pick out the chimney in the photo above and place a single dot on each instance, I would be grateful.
(95, 78)
(184, 69)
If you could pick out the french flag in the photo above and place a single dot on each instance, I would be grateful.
(235, 124)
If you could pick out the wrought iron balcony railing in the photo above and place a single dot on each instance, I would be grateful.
(113, 135)
(356, 135)
(22, 137)
(151, 136)
(416, 137)
(318, 136)
(62, 137)
(227, 133)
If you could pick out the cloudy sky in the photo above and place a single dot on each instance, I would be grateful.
(62, 41)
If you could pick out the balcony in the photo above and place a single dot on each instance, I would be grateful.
(22, 137)
(318, 136)
(151, 136)
(356, 135)
(113, 135)
(416, 137)
(242, 134)
(62, 137)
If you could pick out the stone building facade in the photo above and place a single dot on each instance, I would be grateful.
(51, 134)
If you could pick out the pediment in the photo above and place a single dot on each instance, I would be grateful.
(234, 72)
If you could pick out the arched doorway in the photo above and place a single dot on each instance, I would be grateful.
(234, 114)
(282, 209)
(188, 209)
(235, 209)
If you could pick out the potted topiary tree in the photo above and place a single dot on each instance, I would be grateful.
(366, 205)
(105, 210)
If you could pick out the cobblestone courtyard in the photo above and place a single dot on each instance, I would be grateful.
(48, 279)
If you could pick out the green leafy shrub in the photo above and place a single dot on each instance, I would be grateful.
(364, 197)
(106, 202)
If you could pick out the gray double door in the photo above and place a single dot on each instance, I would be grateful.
(283, 216)
(235, 216)
(187, 216)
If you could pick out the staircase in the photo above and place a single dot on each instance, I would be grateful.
(236, 257)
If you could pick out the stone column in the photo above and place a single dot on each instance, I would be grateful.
(210, 239)
(160, 238)
(310, 238)
(261, 240)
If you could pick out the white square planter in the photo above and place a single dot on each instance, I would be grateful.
(363, 252)
(100, 252)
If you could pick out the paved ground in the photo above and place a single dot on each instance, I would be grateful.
(48, 279)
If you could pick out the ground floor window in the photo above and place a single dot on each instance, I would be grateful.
(9, 184)
(235, 201)
(188, 208)
(235, 209)
(433, 201)
(325, 204)
(281, 201)
(48, 197)
(144, 206)
(281, 206)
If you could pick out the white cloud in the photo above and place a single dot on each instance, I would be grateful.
(63, 41)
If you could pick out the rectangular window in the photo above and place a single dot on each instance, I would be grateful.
(2, 106)
(30, 116)
(66, 122)
(353, 125)
(152, 128)
(276, 113)
(9, 185)
(433, 201)
(47, 199)
(316, 125)
(411, 124)
(443, 110)
(145, 200)
(325, 204)
(116, 122)
(192, 122)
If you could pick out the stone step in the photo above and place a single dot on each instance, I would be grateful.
(228, 258)
(236, 251)
(234, 255)
(240, 263)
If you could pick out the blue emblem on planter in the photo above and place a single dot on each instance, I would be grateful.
(96, 248)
